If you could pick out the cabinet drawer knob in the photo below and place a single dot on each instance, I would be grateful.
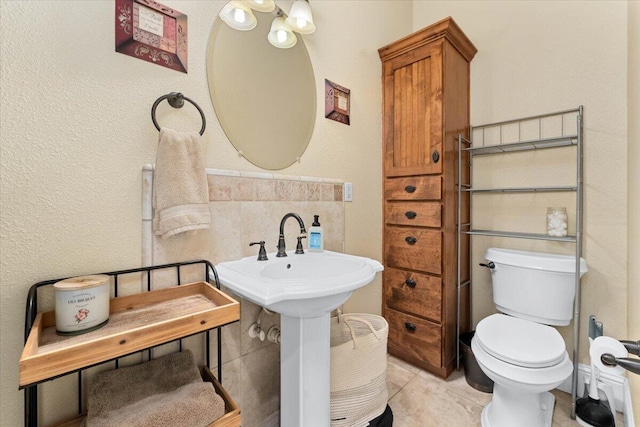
(435, 156)
(410, 326)
(410, 214)
(410, 240)
(410, 283)
(410, 188)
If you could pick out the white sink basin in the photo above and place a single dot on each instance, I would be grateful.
(304, 289)
(299, 285)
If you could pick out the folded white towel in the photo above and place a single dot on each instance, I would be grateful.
(180, 190)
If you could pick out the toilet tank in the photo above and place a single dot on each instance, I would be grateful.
(535, 286)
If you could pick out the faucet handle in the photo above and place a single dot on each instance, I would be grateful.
(262, 254)
(299, 249)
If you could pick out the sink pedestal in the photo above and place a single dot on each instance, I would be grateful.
(305, 371)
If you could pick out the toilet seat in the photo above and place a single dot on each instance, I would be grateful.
(533, 380)
(520, 342)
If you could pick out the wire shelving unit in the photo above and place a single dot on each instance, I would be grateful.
(504, 146)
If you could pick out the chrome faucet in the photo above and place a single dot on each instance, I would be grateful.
(282, 250)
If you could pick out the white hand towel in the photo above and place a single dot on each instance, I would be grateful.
(180, 190)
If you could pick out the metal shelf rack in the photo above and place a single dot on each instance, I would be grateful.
(142, 275)
(467, 147)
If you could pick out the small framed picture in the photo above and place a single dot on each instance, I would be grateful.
(153, 32)
(336, 102)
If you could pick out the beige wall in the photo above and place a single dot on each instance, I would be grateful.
(539, 57)
(634, 190)
(76, 132)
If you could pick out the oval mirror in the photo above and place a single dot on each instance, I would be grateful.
(263, 96)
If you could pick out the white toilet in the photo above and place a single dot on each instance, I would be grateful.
(522, 355)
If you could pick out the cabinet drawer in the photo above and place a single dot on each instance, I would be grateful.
(413, 293)
(417, 338)
(413, 248)
(423, 214)
(413, 188)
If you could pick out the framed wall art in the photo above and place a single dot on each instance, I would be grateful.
(153, 32)
(336, 102)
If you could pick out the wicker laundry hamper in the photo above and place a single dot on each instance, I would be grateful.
(358, 369)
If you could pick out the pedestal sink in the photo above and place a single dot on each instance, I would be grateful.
(304, 289)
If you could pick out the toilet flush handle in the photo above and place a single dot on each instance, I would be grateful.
(489, 265)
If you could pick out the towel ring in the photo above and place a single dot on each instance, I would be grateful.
(176, 100)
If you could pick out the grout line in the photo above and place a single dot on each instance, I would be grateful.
(413, 375)
(390, 398)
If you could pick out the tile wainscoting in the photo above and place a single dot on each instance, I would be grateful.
(247, 207)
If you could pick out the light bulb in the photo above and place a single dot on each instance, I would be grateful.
(239, 16)
(281, 35)
(300, 22)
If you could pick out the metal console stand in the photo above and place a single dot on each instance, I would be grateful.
(31, 391)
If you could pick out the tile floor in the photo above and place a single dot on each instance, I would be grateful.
(419, 399)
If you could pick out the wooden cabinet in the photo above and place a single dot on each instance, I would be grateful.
(425, 106)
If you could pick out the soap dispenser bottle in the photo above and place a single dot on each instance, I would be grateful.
(316, 236)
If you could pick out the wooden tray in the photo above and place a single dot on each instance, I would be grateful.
(231, 418)
(136, 322)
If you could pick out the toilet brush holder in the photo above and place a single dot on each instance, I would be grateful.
(605, 393)
(597, 407)
(591, 410)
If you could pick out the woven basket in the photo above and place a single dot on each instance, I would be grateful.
(358, 369)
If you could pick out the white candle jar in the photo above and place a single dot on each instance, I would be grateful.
(82, 304)
(557, 222)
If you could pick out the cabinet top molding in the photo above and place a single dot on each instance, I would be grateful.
(446, 28)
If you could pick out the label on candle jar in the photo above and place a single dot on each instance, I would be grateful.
(82, 303)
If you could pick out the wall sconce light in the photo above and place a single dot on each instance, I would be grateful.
(238, 15)
(300, 18)
(262, 5)
(280, 34)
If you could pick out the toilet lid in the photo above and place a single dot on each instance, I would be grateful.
(520, 342)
